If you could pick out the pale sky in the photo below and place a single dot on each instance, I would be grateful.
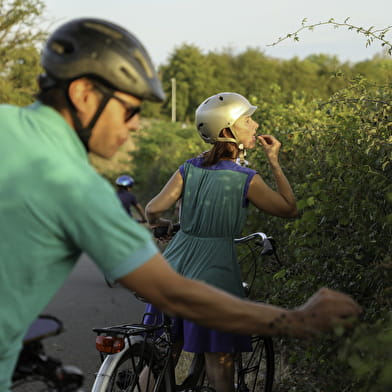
(212, 25)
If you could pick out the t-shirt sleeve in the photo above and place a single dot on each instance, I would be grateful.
(96, 223)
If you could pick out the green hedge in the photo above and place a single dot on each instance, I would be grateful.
(338, 156)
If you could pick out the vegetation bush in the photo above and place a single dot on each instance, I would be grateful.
(161, 149)
(338, 156)
(337, 153)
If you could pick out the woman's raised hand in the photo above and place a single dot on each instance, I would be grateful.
(271, 146)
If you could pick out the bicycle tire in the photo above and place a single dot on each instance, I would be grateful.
(36, 371)
(121, 371)
(196, 379)
(254, 371)
(36, 383)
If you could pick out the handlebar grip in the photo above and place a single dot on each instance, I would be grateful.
(161, 231)
(268, 248)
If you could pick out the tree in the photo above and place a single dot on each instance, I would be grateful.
(379, 69)
(255, 72)
(193, 75)
(19, 54)
(224, 70)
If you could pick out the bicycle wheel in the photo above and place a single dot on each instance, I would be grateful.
(255, 370)
(196, 378)
(67, 378)
(35, 384)
(136, 368)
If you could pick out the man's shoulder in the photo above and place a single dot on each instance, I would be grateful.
(8, 109)
(35, 106)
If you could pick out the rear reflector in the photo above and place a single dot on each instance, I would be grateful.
(109, 344)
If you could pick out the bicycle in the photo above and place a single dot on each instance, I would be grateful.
(35, 371)
(140, 357)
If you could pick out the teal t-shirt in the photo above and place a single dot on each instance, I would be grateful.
(53, 206)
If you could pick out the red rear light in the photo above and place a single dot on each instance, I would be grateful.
(109, 344)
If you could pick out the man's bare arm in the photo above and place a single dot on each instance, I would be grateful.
(213, 308)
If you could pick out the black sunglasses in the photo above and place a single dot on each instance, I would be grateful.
(130, 110)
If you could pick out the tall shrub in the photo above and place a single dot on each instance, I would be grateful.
(338, 156)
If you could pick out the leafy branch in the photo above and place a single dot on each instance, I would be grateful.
(354, 100)
(370, 33)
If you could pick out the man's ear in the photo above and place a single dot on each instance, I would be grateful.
(80, 92)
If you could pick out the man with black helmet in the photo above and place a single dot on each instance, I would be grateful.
(96, 76)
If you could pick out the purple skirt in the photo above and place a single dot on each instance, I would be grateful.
(198, 339)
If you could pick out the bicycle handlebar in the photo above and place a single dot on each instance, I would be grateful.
(267, 242)
(249, 237)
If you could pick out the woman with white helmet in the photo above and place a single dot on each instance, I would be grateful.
(215, 192)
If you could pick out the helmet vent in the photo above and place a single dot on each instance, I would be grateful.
(129, 75)
(200, 125)
(108, 31)
(221, 98)
(62, 47)
(141, 59)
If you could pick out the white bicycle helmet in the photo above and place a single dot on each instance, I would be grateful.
(221, 111)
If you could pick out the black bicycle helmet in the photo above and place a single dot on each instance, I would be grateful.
(102, 50)
(96, 47)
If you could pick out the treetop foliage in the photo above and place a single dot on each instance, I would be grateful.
(20, 35)
(251, 72)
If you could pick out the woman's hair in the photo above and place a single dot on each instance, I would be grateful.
(220, 150)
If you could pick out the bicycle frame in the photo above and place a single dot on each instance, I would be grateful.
(134, 335)
(152, 345)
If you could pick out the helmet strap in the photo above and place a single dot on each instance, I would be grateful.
(241, 148)
(233, 139)
(84, 133)
(242, 154)
(226, 139)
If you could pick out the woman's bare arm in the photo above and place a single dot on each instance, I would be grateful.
(166, 198)
(282, 201)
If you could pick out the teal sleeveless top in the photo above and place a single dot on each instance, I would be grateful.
(213, 212)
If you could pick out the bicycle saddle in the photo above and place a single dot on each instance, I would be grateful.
(42, 327)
